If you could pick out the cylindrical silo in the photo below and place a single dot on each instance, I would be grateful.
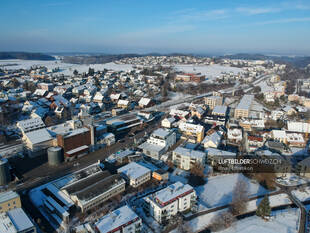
(5, 176)
(55, 156)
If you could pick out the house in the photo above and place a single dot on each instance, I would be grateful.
(198, 112)
(212, 140)
(9, 200)
(215, 154)
(186, 158)
(192, 132)
(123, 219)
(303, 168)
(175, 198)
(180, 114)
(289, 110)
(279, 135)
(295, 140)
(145, 102)
(168, 122)
(254, 142)
(234, 135)
(158, 143)
(123, 104)
(135, 173)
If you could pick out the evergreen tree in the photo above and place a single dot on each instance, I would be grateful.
(264, 209)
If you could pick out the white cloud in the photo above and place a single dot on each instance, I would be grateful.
(257, 11)
(288, 20)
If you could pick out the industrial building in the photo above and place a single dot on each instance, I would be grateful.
(16, 221)
(9, 200)
(91, 192)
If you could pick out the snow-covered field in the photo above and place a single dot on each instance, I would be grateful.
(285, 221)
(282, 221)
(218, 190)
(211, 71)
(65, 68)
(303, 194)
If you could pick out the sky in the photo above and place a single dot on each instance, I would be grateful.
(163, 26)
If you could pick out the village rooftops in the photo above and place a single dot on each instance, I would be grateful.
(118, 218)
(172, 192)
(133, 170)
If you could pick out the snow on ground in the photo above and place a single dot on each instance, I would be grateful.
(265, 87)
(284, 221)
(178, 175)
(211, 71)
(303, 194)
(291, 180)
(275, 200)
(65, 68)
(177, 95)
(218, 190)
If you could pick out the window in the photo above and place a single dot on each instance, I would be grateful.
(14, 202)
(9, 204)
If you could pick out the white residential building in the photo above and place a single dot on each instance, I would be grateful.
(123, 220)
(194, 133)
(177, 197)
(213, 140)
(135, 173)
(234, 135)
(185, 158)
(167, 122)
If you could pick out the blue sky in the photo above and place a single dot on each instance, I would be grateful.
(193, 26)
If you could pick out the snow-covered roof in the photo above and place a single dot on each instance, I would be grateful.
(161, 133)
(5, 196)
(144, 101)
(133, 170)
(123, 102)
(38, 136)
(245, 102)
(219, 109)
(190, 127)
(31, 124)
(117, 218)
(171, 192)
(15, 221)
(189, 153)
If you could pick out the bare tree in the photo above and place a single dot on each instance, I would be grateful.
(222, 221)
(239, 197)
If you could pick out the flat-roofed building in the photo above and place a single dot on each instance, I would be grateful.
(159, 142)
(135, 173)
(123, 219)
(16, 221)
(9, 200)
(213, 101)
(186, 158)
(194, 133)
(175, 198)
(95, 190)
(244, 107)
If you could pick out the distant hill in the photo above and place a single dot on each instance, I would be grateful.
(25, 56)
(298, 61)
(97, 59)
